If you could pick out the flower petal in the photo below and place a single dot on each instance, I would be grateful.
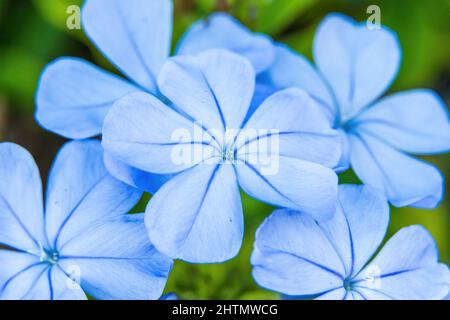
(214, 87)
(359, 63)
(169, 296)
(372, 294)
(405, 181)
(336, 294)
(74, 96)
(359, 225)
(287, 182)
(185, 221)
(291, 69)
(291, 122)
(262, 92)
(221, 30)
(135, 36)
(63, 287)
(414, 121)
(81, 192)
(114, 260)
(21, 209)
(149, 182)
(24, 277)
(408, 268)
(144, 133)
(344, 161)
(13, 264)
(299, 260)
(352, 295)
(29, 284)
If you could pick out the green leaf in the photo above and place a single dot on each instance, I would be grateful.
(276, 15)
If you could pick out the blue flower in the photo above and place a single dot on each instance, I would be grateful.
(281, 155)
(169, 296)
(74, 96)
(298, 256)
(221, 30)
(83, 241)
(355, 66)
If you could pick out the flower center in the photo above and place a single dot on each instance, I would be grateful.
(228, 155)
(348, 284)
(50, 257)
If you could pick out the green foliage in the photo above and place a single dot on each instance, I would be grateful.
(278, 14)
(20, 71)
(423, 31)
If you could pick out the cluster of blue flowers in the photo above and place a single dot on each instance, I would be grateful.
(250, 114)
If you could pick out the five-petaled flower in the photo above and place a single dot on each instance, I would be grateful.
(330, 260)
(83, 241)
(355, 66)
(197, 215)
(74, 96)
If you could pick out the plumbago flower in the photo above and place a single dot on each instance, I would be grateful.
(74, 96)
(330, 260)
(282, 154)
(82, 241)
(355, 66)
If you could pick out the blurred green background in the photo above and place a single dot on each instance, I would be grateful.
(33, 33)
